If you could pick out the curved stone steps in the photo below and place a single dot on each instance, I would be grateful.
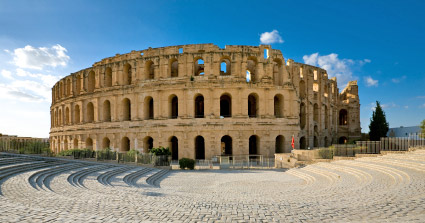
(76, 179)
(16, 160)
(308, 179)
(105, 178)
(131, 179)
(155, 179)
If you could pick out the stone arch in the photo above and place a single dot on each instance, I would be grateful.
(303, 116)
(226, 145)
(68, 87)
(326, 117)
(174, 147)
(67, 116)
(89, 143)
(77, 118)
(61, 90)
(303, 143)
(253, 105)
(280, 144)
(343, 117)
(225, 66)
(60, 117)
(226, 105)
(199, 148)
(65, 144)
(254, 143)
(173, 111)
(251, 68)
(126, 109)
(90, 112)
(173, 67)
(125, 144)
(106, 111)
(75, 143)
(127, 74)
(108, 77)
(277, 71)
(198, 66)
(148, 144)
(106, 143)
(91, 81)
(303, 91)
(342, 140)
(78, 84)
(199, 106)
(149, 108)
(278, 106)
(149, 70)
(316, 114)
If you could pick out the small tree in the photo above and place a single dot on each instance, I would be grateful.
(378, 126)
(423, 127)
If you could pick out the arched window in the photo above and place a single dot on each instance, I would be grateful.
(78, 85)
(67, 116)
(277, 73)
(174, 146)
(150, 70)
(149, 108)
(108, 77)
(173, 106)
(77, 114)
(174, 68)
(303, 92)
(199, 106)
(199, 67)
(342, 140)
(252, 105)
(91, 82)
(90, 112)
(125, 144)
(225, 68)
(251, 67)
(75, 143)
(106, 111)
(226, 145)
(126, 109)
(316, 115)
(62, 92)
(127, 75)
(280, 144)
(199, 148)
(303, 144)
(106, 143)
(343, 117)
(278, 106)
(225, 106)
(89, 143)
(148, 144)
(68, 87)
(60, 117)
(253, 145)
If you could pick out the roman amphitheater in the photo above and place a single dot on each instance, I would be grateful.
(202, 101)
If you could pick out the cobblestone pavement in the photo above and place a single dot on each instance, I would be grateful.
(389, 188)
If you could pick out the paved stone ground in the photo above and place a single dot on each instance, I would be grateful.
(388, 188)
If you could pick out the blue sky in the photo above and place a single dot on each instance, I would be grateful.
(379, 43)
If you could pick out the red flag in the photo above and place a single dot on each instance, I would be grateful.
(293, 142)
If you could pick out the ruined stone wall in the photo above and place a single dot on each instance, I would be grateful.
(195, 97)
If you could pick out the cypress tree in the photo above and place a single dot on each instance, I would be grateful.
(423, 127)
(378, 126)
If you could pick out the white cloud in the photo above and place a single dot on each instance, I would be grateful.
(271, 37)
(6, 74)
(37, 58)
(389, 105)
(339, 68)
(398, 80)
(406, 107)
(370, 81)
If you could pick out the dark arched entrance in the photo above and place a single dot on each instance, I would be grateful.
(226, 145)
(199, 148)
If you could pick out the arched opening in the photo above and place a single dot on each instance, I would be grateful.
(125, 144)
(343, 117)
(303, 144)
(316, 113)
(149, 108)
(60, 117)
(106, 111)
(226, 145)
(108, 77)
(67, 116)
(199, 106)
(326, 141)
(75, 143)
(253, 145)
(89, 143)
(251, 66)
(148, 144)
(277, 74)
(56, 118)
(342, 140)
(59, 148)
(303, 118)
(225, 106)
(199, 148)
(150, 70)
(174, 107)
(326, 117)
(126, 109)
(199, 67)
(174, 68)
(316, 142)
(278, 106)
(77, 114)
(78, 85)
(225, 67)
(91, 82)
(127, 75)
(90, 112)
(62, 92)
(302, 90)
(65, 144)
(280, 144)
(106, 143)
(252, 105)
(174, 146)
(68, 87)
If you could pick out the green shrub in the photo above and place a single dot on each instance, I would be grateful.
(187, 163)
(132, 153)
(326, 153)
(161, 151)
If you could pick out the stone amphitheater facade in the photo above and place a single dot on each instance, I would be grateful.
(197, 100)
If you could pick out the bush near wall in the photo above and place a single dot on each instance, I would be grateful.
(187, 163)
